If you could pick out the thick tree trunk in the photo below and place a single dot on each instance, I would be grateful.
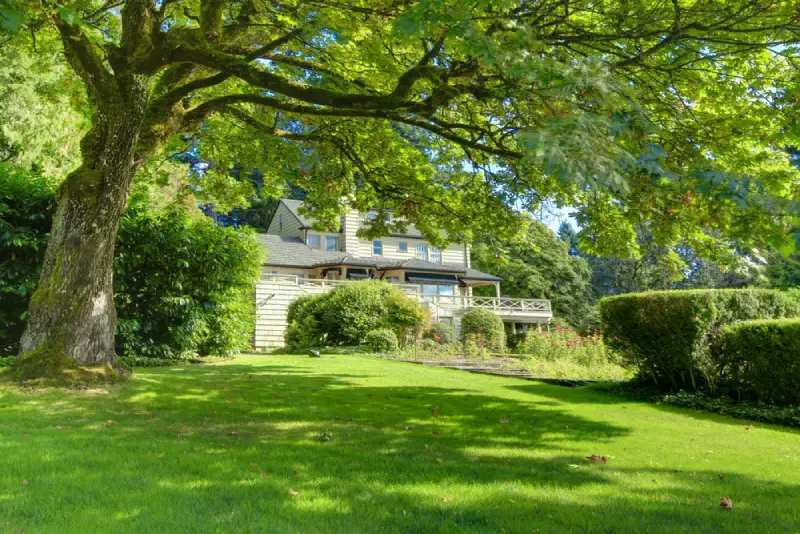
(71, 318)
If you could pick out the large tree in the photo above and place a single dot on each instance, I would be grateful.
(446, 111)
(537, 264)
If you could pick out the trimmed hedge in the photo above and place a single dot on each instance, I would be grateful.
(486, 326)
(667, 336)
(761, 360)
(347, 313)
(381, 340)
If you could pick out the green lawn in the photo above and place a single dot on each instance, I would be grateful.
(216, 448)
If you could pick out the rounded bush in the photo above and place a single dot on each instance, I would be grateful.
(381, 340)
(484, 326)
(347, 313)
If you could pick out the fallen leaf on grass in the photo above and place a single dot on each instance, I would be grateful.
(677, 471)
(447, 498)
(292, 492)
(574, 466)
(110, 422)
(503, 421)
(721, 476)
(234, 433)
(435, 415)
(726, 503)
(435, 433)
(294, 473)
(748, 427)
(24, 482)
(264, 474)
(597, 459)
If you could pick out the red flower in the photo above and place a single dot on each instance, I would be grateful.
(436, 337)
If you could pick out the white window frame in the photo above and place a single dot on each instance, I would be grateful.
(434, 255)
(335, 243)
(318, 239)
(377, 244)
(422, 248)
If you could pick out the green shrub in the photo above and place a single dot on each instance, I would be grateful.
(26, 206)
(183, 287)
(381, 340)
(347, 313)
(485, 328)
(761, 360)
(441, 333)
(6, 361)
(667, 335)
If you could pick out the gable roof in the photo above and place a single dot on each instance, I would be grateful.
(284, 251)
(293, 206)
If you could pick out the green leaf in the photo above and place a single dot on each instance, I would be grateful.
(11, 20)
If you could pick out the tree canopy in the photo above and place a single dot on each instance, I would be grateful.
(450, 112)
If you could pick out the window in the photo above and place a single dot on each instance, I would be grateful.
(428, 290)
(402, 246)
(436, 255)
(372, 216)
(280, 222)
(331, 243)
(446, 290)
(313, 240)
(422, 252)
(377, 248)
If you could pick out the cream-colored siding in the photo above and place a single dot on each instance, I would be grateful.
(454, 254)
(285, 223)
(350, 224)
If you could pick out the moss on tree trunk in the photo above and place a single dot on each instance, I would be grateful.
(71, 317)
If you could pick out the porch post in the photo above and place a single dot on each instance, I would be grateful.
(497, 289)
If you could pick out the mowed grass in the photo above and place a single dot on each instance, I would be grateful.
(370, 445)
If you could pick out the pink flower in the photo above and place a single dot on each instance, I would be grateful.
(436, 337)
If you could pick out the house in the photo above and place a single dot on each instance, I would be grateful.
(302, 260)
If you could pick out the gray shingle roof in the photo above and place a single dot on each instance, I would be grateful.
(283, 251)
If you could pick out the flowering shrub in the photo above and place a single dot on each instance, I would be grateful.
(564, 353)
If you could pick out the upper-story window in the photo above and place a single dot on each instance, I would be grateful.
(331, 243)
(371, 216)
(402, 246)
(377, 248)
(313, 240)
(435, 255)
(422, 252)
(280, 222)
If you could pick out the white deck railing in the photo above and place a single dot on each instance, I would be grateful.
(451, 303)
(498, 304)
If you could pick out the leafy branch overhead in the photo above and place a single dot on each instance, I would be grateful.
(670, 114)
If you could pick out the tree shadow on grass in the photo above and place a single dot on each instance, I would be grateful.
(218, 448)
(588, 395)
